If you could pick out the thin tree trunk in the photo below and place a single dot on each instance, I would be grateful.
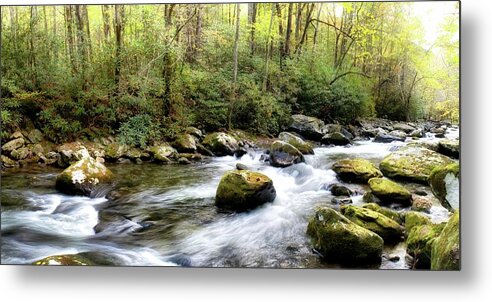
(87, 32)
(281, 34)
(81, 44)
(267, 59)
(252, 23)
(32, 54)
(70, 39)
(306, 26)
(234, 72)
(55, 37)
(106, 25)
(198, 33)
(315, 36)
(288, 31)
(119, 11)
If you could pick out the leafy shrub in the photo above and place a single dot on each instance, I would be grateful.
(138, 131)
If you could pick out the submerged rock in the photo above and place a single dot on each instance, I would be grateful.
(389, 192)
(380, 224)
(307, 126)
(83, 177)
(297, 142)
(412, 163)
(445, 253)
(242, 190)
(445, 184)
(340, 240)
(356, 170)
(283, 154)
(221, 144)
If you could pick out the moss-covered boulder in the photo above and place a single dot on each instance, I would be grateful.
(163, 153)
(13, 144)
(335, 138)
(339, 190)
(419, 243)
(68, 260)
(283, 154)
(185, 143)
(449, 147)
(307, 126)
(389, 191)
(7, 162)
(356, 170)
(414, 219)
(83, 177)
(35, 136)
(297, 142)
(445, 253)
(445, 184)
(114, 151)
(340, 240)
(392, 214)
(380, 224)
(221, 144)
(71, 153)
(412, 163)
(242, 190)
(21, 153)
(194, 131)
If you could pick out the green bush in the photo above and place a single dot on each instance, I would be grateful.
(138, 131)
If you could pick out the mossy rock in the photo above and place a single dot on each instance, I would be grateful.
(392, 214)
(412, 163)
(221, 144)
(414, 219)
(445, 184)
(389, 191)
(307, 126)
(114, 151)
(163, 153)
(297, 142)
(339, 190)
(83, 177)
(419, 243)
(185, 143)
(35, 136)
(449, 147)
(13, 144)
(340, 240)
(283, 154)
(387, 228)
(335, 138)
(67, 260)
(21, 153)
(7, 162)
(242, 190)
(446, 248)
(194, 131)
(356, 170)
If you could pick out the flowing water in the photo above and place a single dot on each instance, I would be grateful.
(164, 215)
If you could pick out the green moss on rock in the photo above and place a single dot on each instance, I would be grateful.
(221, 144)
(392, 214)
(242, 190)
(340, 240)
(419, 243)
(283, 154)
(66, 260)
(445, 253)
(356, 170)
(389, 191)
(380, 224)
(185, 143)
(414, 219)
(297, 142)
(444, 182)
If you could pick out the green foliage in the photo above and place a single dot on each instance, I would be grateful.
(138, 131)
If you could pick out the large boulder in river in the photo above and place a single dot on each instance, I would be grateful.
(387, 138)
(449, 147)
(340, 240)
(412, 163)
(114, 151)
(221, 144)
(356, 170)
(242, 190)
(390, 192)
(419, 243)
(445, 253)
(163, 153)
(335, 138)
(185, 143)
(297, 142)
(380, 224)
(307, 126)
(445, 184)
(83, 177)
(71, 153)
(283, 154)
(403, 127)
(414, 219)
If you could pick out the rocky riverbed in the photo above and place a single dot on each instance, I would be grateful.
(376, 194)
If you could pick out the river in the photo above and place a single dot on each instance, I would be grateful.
(165, 214)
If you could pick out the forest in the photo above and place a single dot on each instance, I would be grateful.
(146, 72)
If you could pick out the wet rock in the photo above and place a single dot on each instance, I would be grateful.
(83, 177)
(417, 133)
(339, 240)
(403, 127)
(297, 142)
(50, 158)
(194, 131)
(244, 190)
(449, 147)
(339, 190)
(203, 150)
(389, 192)
(71, 153)
(114, 151)
(421, 204)
(386, 138)
(7, 162)
(412, 163)
(341, 200)
(356, 170)
(183, 161)
(392, 214)
(221, 144)
(399, 134)
(445, 254)
(185, 143)
(335, 138)
(445, 184)
(67, 260)
(419, 243)
(414, 219)
(123, 161)
(283, 154)
(307, 126)
(376, 222)
(240, 166)
(13, 144)
(163, 153)
(21, 153)
(368, 197)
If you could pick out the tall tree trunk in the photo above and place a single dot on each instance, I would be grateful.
(306, 27)
(87, 32)
(288, 32)
(32, 36)
(252, 7)
(315, 36)
(81, 44)
(235, 63)
(267, 59)
(106, 24)
(55, 37)
(198, 32)
(119, 11)
(281, 35)
(70, 39)
(300, 7)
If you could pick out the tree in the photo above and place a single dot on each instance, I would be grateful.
(235, 62)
